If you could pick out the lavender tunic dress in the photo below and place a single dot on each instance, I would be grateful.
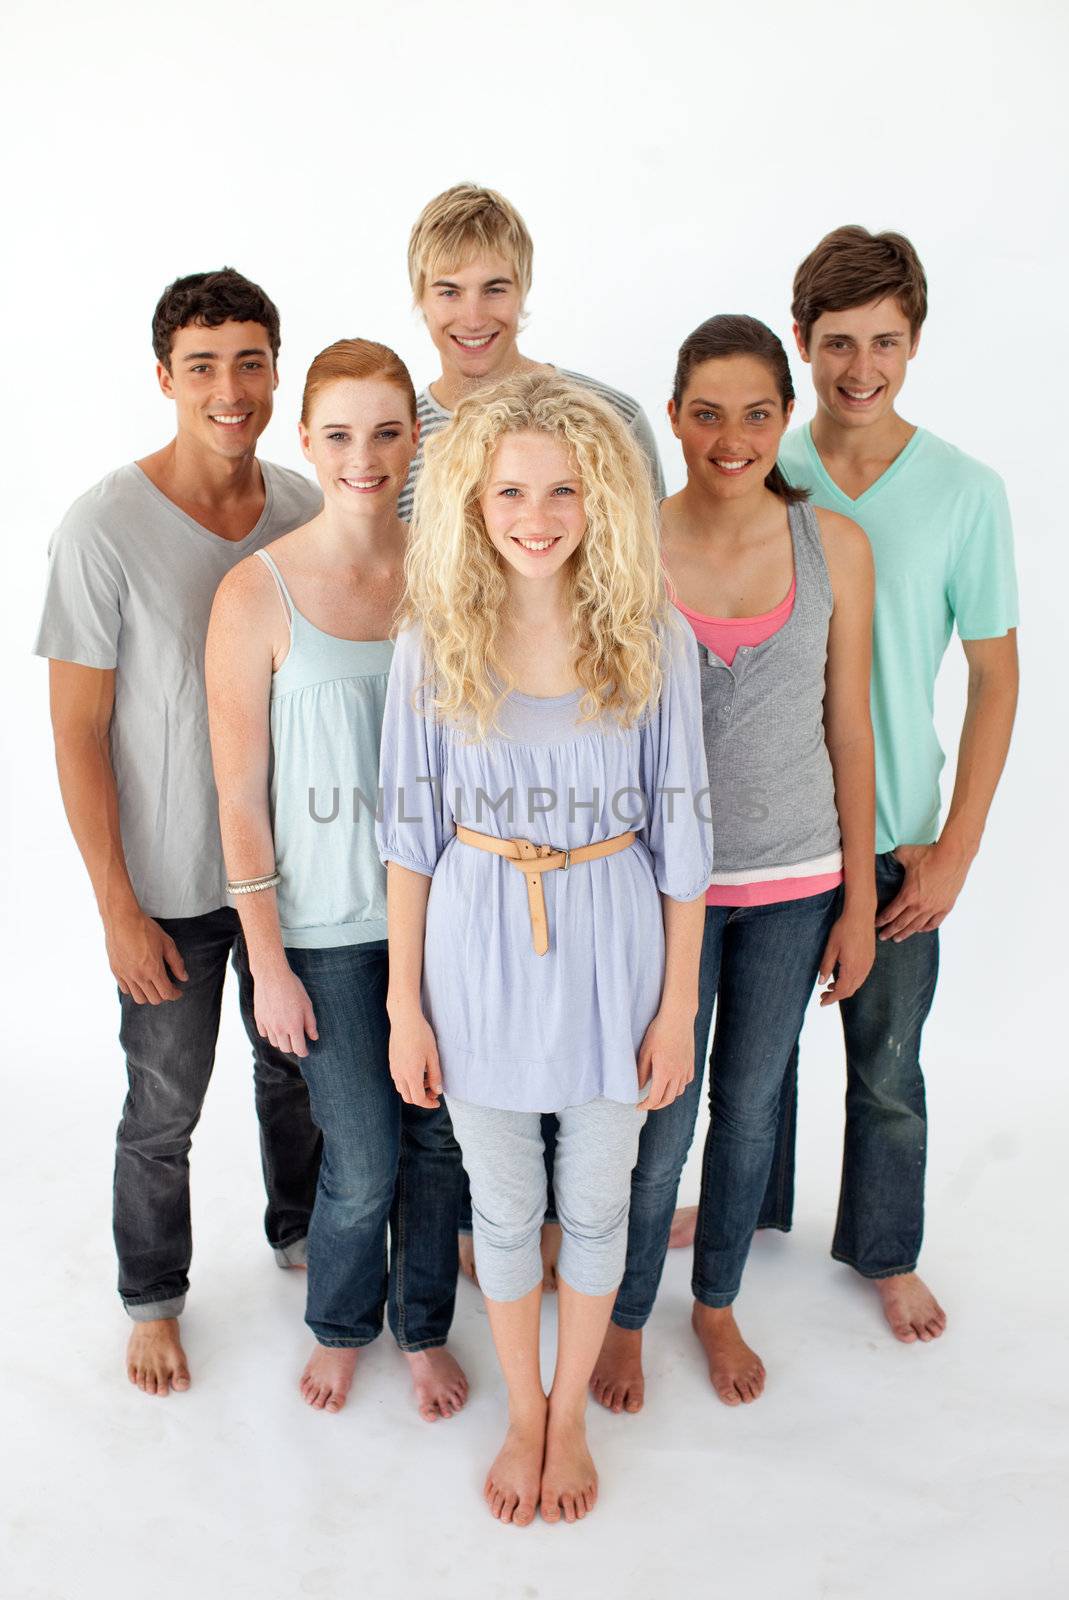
(515, 1030)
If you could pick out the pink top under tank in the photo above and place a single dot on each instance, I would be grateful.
(726, 635)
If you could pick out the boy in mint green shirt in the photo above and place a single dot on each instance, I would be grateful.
(940, 530)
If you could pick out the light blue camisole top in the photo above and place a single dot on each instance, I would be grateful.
(327, 702)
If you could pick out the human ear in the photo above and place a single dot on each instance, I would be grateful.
(673, 417)
(800, 342)
(303, 436)
(165, 380)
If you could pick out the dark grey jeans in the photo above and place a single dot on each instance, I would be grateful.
(170, 1051)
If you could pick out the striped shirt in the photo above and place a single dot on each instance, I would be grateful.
(432, 418)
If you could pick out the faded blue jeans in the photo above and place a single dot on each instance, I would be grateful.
(758, 967)
(880, 1224)
(384, 1163)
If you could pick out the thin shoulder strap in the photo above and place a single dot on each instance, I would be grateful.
(810, 560)
(288, 606)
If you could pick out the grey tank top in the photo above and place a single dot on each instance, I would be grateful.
(773, 796)
(327, 701)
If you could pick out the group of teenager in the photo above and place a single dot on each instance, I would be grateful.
(497, 774)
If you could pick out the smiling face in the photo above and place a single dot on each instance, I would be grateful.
(361, 438)
(222, 381)
(859, 359)
(730, 421)
(532, 505)
(473, 316)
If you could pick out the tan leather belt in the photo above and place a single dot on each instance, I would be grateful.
(535, 859)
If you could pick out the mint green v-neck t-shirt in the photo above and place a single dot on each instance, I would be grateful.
(939, 526)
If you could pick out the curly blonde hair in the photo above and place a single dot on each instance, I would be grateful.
(455, 582)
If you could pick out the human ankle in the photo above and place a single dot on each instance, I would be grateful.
(528, 1413)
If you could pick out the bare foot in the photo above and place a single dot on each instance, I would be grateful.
(440, 1385)
(569, 1477)
(911, 1308)
(512, 1484)
(551, 1237)
(466, 1252)
(736, 1372)
(326, 1379)
(155, 1360)
(617, 1379)
(684, 1226)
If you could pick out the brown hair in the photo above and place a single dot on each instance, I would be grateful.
(725, 336)
(207, 300)
(356, 358)
(853, 267)
(466, 221)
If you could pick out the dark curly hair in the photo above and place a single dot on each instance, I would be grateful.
(209, 299)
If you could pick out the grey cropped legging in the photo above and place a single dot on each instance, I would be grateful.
(597, 1147)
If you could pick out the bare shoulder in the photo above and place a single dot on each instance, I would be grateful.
(246, 589)
(846, 544)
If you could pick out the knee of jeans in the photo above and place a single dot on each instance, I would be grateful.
(755, 1119)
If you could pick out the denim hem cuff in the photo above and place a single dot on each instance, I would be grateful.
(884, 1272)
(345, 1344)
(633, 1321)
(774, 1227)
(155, 1310)
(715, 1301)
(294, 1254)
(413, 1347)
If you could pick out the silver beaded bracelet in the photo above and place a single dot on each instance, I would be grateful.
(253, 885)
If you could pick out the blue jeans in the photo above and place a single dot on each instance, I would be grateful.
(384, 1163)
(880, 1224)
(170, 1051)
(758, 966)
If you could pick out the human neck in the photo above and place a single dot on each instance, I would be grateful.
(537, 605)
(185, 470)
(883, 441)
(451, 387)
(704, 515)
(375, 538)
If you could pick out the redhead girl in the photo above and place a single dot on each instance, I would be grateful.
(544, 820)
(299, 654)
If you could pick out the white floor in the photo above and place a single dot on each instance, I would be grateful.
(867, 1470)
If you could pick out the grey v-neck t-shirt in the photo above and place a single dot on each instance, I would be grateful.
(131, 581)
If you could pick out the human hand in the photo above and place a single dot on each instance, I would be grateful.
(414, 1065)
(283, 1011)
(935, 874)
(667, 1057)
(140, 954)
(848, 955)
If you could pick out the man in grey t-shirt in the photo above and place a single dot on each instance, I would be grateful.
(134, 566)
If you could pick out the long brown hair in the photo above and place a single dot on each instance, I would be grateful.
(730, 335)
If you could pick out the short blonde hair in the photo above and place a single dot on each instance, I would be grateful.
(455, 583)
(463, 222)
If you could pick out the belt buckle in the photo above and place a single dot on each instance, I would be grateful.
(567, 860)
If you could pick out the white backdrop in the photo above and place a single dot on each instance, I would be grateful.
(671, 161)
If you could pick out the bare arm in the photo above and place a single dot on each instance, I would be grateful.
(414, 1063)
(242, 642)
(851, 945)
(936, 873)
(139, 951)
(667, 1051)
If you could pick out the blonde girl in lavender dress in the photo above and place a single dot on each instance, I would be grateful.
(545, 824)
